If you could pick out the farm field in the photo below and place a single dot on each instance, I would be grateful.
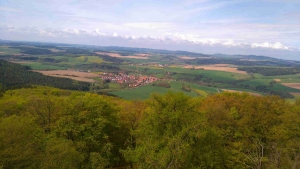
(137, 56)
(144, 92)
(292, 85)
(81, 60)
(6, 50)
(218, 67)
(75, 75)
(239, 91)
(202, 76)
(41, 66)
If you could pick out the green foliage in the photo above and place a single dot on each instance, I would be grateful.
(164, 84)
(186, 87)
(45, 127)
(66, 156)
(171, 128)
(20, 142)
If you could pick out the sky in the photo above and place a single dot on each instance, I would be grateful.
(257, 27)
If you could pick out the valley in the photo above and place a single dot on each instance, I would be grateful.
(135, 73)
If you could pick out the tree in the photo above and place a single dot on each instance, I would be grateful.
(61, 153)
(1, 90)
(169, 131)
(89, 121)
(20, 143)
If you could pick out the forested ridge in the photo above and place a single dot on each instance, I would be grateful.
(17, 76)
(47, 127)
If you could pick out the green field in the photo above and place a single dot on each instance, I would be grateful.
(144, 92)
(41, 66)
(201, 82)
(81, 60)
(212, 74)
(6, 50)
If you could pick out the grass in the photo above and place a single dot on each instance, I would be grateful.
(184, 76)
(73, 61)
(257, 82)
(40, 66)
(286, 78)
(280, 87)
(213, 74)
(114, 86)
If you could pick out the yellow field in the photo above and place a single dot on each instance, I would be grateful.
(80, 76)
(93, 59)
(238, 91)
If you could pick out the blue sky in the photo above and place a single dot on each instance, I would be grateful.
(260, 27)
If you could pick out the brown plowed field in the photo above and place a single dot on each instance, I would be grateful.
(80, 76)
(292, 85)
(186, 58)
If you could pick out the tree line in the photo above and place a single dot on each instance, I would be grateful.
(52, 128)
(18, 76)
(271, 71)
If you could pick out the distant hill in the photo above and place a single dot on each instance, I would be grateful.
(13, 75)
(244, 60)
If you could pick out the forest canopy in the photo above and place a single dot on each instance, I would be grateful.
(48, 127)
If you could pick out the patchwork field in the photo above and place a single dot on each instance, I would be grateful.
(75, 75)
(144, 92)
(219, 67)
(137, 56)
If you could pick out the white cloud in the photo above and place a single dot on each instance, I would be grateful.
(169, 37)
(45, 33)
(98, 32)
(192, 38)
(231, 43)
(276, 45)
(71, 31)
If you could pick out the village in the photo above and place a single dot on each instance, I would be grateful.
(131, 80)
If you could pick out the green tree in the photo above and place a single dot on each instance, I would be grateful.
(61, 153)
(20, 143)
(168, 133)
(89, 121)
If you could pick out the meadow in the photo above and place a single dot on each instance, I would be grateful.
(42, 66)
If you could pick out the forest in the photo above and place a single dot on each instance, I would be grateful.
(271, 71)
(18, 76)
(45, 127)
